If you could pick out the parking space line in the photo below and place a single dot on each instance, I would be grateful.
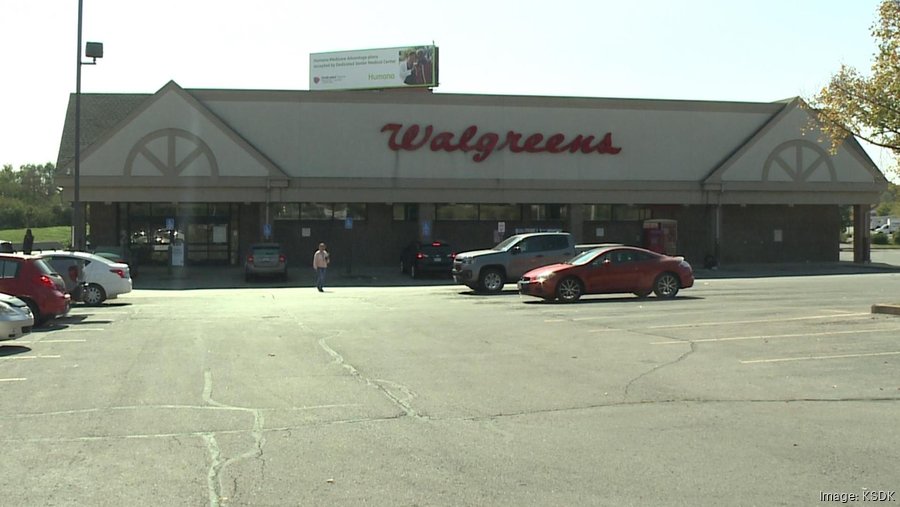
(773, 336)
(810, 358)
(860, 315)
(85, 329)
(12, 379)
(32, 357)
(31, 342)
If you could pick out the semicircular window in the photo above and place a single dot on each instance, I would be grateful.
(171, 152)
(799, 161)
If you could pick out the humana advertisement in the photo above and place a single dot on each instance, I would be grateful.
(402, 67)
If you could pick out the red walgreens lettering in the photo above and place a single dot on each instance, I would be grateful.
(415, 137)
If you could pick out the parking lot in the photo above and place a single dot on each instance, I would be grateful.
(741, 391)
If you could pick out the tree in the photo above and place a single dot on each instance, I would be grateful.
(867, 107)
(29, 197)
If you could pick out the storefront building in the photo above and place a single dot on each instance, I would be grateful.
(368, 172)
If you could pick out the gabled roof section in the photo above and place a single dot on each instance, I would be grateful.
(168, 134)
(789, 150)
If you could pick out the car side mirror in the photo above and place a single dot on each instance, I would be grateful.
(516, 250)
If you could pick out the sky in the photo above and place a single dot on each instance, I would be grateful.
(761, 51)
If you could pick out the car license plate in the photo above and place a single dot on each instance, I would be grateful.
(437, 258)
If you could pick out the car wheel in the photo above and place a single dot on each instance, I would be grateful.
(666, 286)
(569, 290)
(642, 293)
(93, 295)
(492, 280)
(35, 312)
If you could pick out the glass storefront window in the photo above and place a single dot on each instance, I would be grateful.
(316, 211)
(356, 211)
(598, 212)
(499, 212)
(456, 212)
(406, 212)
(139, 209)
(192, 210)
(628, 212)
(286, 211)
(162, 209)
(549, 211)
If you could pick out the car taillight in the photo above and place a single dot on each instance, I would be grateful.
(453, 255)
(282, 259)
(436, 243)
(46, 281)
(420, 255)
(250, 259)
(120, 272)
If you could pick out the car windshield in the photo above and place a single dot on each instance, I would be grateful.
(265, 250)
(506, 243)
(435, 249)
(584, 257)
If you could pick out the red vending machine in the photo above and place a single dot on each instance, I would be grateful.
(661, 236)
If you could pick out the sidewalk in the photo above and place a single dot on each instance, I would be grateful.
(219, 277)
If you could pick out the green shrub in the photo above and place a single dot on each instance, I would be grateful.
(879, 238)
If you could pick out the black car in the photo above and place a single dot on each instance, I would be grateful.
(435, 257)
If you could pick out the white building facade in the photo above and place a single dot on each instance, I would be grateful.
(367, 172)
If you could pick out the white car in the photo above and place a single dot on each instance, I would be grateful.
(103, 278)
(16, 319)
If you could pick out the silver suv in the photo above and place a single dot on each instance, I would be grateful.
(489, 270)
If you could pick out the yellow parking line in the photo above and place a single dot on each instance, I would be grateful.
(809, 358)
(773, 336)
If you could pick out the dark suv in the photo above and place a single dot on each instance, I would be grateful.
(31, 279)
(435, 257)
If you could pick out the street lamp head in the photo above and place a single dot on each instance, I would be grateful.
(93, 50)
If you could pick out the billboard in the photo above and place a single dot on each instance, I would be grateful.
(402, 67)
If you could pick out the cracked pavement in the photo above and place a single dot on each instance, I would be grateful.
(761, 391)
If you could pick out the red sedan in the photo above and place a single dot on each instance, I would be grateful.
(609, 270)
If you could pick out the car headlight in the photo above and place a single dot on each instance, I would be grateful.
(464, 260)
(543, 278)
(7, 310)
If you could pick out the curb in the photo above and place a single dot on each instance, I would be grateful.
(886, 309)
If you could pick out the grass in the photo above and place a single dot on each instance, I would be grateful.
(58, 234)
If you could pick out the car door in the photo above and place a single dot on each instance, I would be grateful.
(524, 256)
(558, 248)
(619, 271)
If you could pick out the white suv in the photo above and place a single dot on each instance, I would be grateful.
(104, 279)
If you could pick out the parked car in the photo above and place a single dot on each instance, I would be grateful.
(103, 279)
(609, 270)
(115, 254)
(265, 259)
(435, 257)
(16, 319)
(31, 279)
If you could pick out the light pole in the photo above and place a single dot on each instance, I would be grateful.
(93, 50)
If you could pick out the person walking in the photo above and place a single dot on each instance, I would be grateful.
(28, 242)
(320, 264)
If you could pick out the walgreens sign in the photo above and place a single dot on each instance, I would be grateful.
(482, 144)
